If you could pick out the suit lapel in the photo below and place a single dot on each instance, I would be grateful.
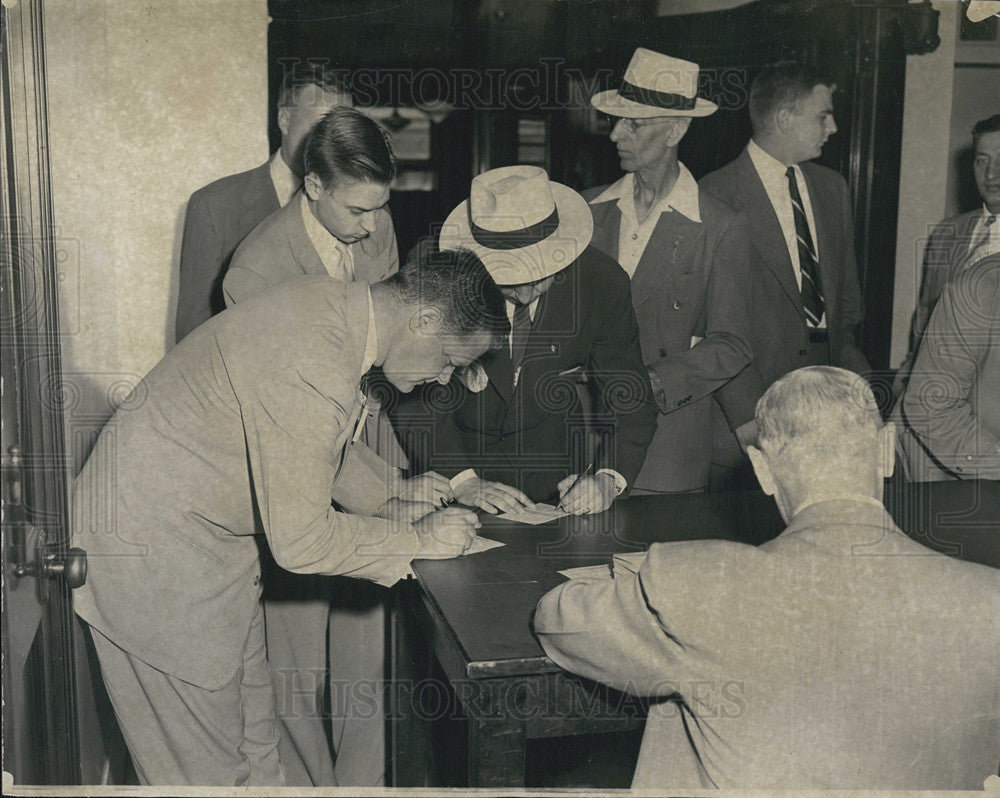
(766, 233)
(607, 223)
(258, 196)
(302, 248)
(669, 247)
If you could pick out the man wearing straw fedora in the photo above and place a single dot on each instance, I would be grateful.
(525, 432)
(685, 253)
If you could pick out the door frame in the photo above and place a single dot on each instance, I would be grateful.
(41, 729)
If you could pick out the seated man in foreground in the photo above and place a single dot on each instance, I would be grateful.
(246, 428)
(841, 654)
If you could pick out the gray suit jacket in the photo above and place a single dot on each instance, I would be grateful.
(218, 218)
(279, 248)
(692, 280)
(841, 654)
(949, 416)
(780, 339)
(243, 429)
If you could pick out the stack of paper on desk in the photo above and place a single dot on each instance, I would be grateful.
(620, 565)
(627, 563)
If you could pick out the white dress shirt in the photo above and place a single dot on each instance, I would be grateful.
(633, 235)
(773, 175)
(334, 253)
(284, 180)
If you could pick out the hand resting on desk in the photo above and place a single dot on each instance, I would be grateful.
(493, 497)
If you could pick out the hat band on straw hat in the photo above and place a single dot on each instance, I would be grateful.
(515, 239)
(658, 99)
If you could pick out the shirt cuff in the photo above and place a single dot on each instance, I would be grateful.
(462, 476)
(620, 482)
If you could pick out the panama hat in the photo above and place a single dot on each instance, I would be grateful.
(520, 224)
(655, 85)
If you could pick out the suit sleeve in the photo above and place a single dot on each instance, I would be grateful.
(724, 351)
(621, 632)
(950, 365)
(845, 352)
(201, 261)
(292, 422)
(625, 393)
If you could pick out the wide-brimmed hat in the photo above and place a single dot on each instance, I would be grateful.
(655, 85)
(520, 224)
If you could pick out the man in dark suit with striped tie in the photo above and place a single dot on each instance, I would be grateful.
(805, 295)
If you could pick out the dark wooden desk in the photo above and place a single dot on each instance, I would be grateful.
(473, 616)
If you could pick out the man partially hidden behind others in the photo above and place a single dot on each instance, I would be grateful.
(246, 429)
(840, 655)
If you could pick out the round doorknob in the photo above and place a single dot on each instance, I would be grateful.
(73, 566)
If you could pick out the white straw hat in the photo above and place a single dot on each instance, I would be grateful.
(520, 224)
(655, 85)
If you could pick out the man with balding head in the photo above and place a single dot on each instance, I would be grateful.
(841, 654)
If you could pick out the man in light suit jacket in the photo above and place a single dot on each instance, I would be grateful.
(220, 215)
(950, 412)
(959, 242)
(245, 431)
(800, 223)
(686, 255)
(337, 225)
(841, 654)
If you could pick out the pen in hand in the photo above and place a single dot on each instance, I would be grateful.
(585, 473)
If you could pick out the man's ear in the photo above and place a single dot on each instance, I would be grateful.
(313, 186)
(426, 321)
(679, 127)
(284, 120)
(783, 118)
(762, 470)
(887, 449)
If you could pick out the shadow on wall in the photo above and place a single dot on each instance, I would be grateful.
(87, 400)
(175, 279)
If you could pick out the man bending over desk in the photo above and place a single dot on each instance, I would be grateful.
(841, 654)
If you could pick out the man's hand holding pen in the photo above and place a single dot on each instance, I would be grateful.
(587, 493)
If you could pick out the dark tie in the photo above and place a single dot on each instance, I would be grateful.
(812, 289)
(520, 330)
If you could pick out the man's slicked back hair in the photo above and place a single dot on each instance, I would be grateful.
(990, 124)
(781, 85)
(347, 144)
(457, 283)
(313, 77)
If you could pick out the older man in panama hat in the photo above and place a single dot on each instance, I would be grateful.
(685, 254)
(524, 434)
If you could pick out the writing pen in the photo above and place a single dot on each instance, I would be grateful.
(581, 475)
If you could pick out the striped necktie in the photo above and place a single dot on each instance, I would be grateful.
(812, 288)
(978, 250)
(520, 330)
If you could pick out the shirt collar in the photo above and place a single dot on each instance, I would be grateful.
(849, 497)
(371, 342)
(334, 253)
(765, 163)
(285, 181)
(683, 197)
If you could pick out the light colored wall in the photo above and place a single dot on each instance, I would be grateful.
(148, 101)
(923, 183)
